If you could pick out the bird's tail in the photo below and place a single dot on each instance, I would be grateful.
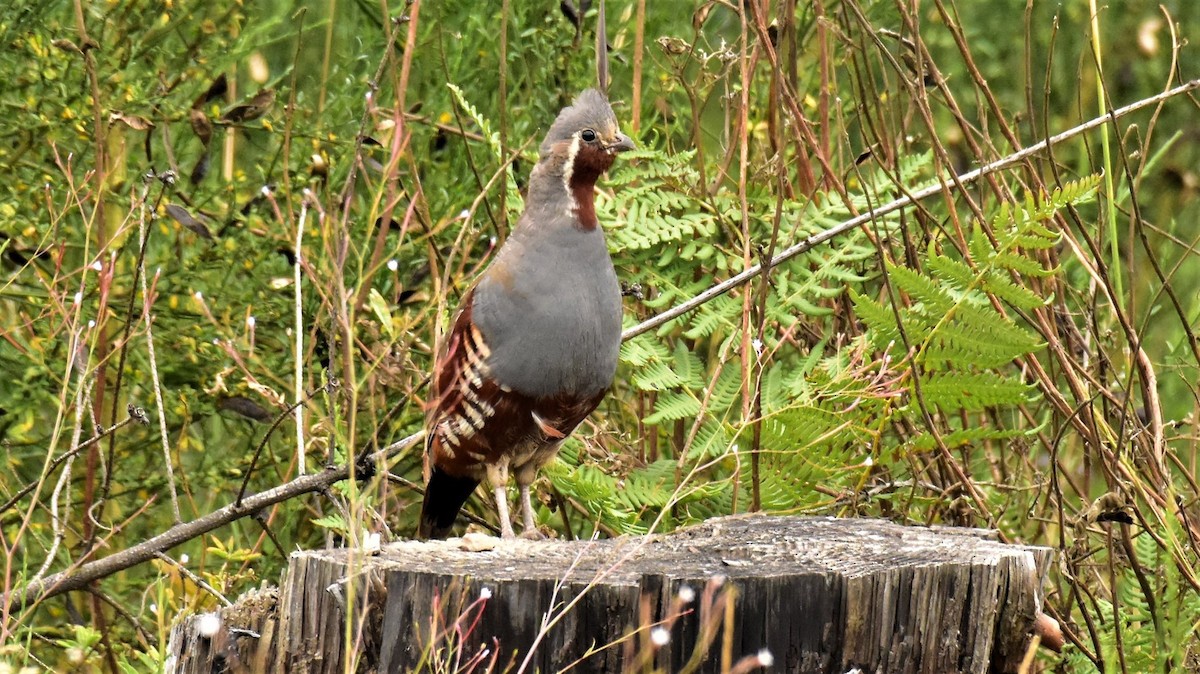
(445, 495)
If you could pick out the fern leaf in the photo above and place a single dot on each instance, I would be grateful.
(973, 392)
(672, 406)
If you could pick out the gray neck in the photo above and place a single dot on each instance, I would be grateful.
(547, 199)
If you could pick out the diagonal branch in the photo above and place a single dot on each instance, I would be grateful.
(81, 576)
(895, 205)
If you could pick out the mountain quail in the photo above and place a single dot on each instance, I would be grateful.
(533, 347)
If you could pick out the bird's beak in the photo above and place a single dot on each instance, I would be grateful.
(622, 144)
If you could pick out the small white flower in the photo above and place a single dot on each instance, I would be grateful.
(91, 324)
(198, 295)
(485, 593)
(208, 625)
(765, 659)
(153, 607)
(265, 191)
(686, 594)
(758, 345)
(659, 636)
(393, 265)
(868, 462)
(250, 321)
(183, 559)
(464, 214)
(97, 266)
(78, 297)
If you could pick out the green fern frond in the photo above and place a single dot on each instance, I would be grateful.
(642, 350)
(657, 376)
(485, 127)
(673, 406)
(688, 366)
(713, 439)
(649, 487)
(723, 312)
(927, 291)
(726, 390)
(972, 392)
(882, 329)
(806, 427)
(974, 336)
(966, 437)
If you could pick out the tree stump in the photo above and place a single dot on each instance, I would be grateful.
(820, 594)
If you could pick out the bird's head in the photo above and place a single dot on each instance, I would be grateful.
(584, 140)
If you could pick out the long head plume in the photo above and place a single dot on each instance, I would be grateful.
(601, 51)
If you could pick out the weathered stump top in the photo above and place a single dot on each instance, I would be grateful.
(821, 594)
(737, 546)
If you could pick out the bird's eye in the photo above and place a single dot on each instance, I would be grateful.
(588, 136)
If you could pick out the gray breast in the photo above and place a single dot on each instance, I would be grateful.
(552, 315)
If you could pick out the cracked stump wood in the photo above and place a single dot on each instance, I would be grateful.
(822, 594)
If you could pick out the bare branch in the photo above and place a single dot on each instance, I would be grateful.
(81, 576)
(895, 205)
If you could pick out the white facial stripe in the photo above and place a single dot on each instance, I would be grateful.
(569, 167)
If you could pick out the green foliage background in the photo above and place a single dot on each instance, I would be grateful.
(1018, 354)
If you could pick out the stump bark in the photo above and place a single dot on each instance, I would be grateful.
(820, 594)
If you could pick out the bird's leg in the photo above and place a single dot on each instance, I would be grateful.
(525, 476)
(506, 528)
(498, 476)
(527, 517)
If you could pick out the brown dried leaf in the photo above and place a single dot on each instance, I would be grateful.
(215, 90)
(181, 215)
(570, 12)
(201, 168)
(673, 46)
(201, 125)
(245, 407)
(132, 121)
(66, 45)
(253, 109)
(866, 154)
